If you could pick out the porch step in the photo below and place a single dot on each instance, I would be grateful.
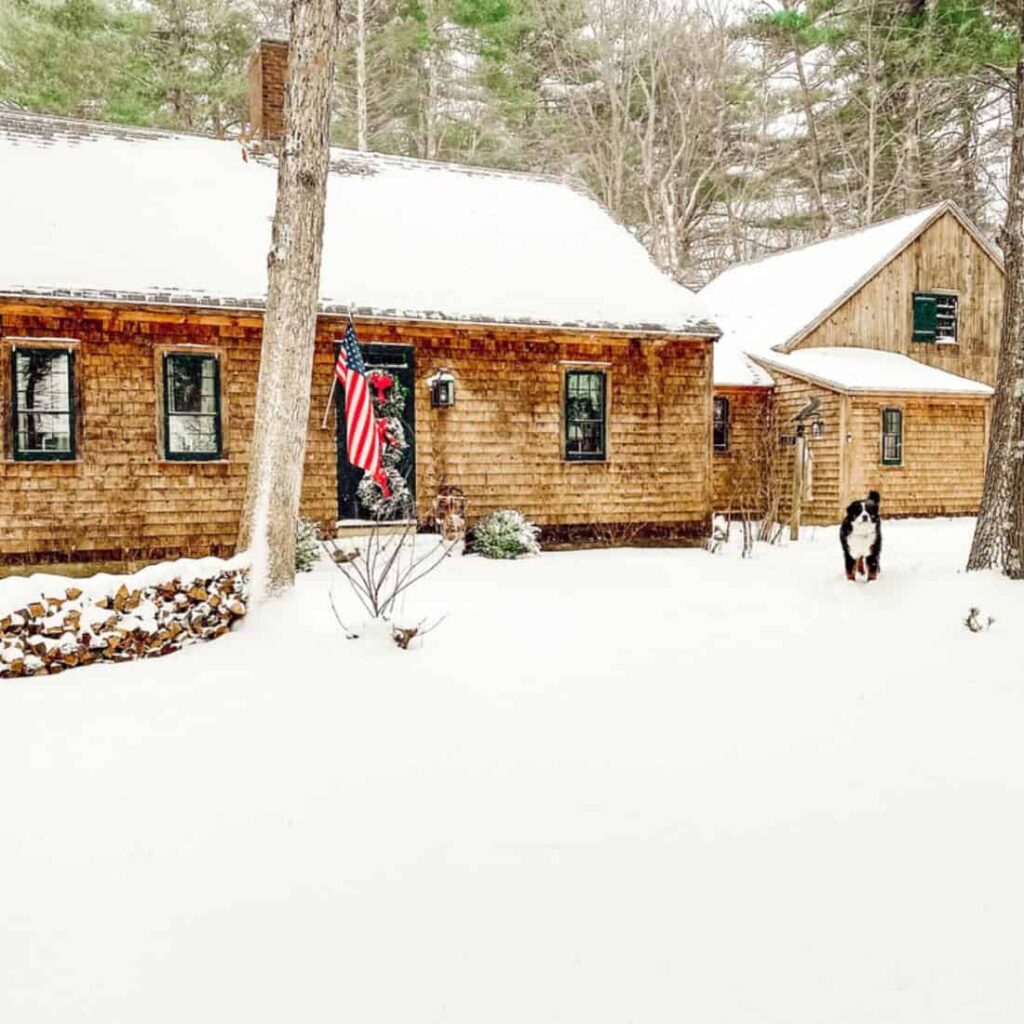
(361, 527)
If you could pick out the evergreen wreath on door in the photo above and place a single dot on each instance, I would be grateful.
(389, 400)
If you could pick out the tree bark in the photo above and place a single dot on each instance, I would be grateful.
(999, 533)
(361, 116)
(293, 286)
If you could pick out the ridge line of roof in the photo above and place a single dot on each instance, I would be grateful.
(850, 233)
(337, 152)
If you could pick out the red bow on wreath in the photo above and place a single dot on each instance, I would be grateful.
(383, 383)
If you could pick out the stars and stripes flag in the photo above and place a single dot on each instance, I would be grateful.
(362, 437)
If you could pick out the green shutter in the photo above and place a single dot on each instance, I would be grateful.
(925, 317)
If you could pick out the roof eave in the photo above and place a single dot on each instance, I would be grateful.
(861, 392)
(703, 330)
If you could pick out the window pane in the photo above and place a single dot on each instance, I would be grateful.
(43, 433)
(191, 384)
(584, 396)
(585, 438)
(43, 381)
(195, 435)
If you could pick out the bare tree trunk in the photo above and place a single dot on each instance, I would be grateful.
(912, 169)
(289, 326)
(361, 118)
(999, 534)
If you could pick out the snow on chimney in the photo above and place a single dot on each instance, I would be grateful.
(267, 71)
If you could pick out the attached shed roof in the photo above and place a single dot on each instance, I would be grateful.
(735, 369)
(871, 370)
(769, 304)
(112, 213)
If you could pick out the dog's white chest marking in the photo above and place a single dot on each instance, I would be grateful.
(861, 539)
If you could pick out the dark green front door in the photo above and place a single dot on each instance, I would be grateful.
(399, 362)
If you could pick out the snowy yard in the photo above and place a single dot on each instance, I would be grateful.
(614, 786)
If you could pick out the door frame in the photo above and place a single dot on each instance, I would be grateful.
(400, 360)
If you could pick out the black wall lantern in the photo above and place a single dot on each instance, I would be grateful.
(442, 389)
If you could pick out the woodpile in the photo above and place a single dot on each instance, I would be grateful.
(64, 631)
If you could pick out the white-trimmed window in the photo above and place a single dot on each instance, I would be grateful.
(720, 425)
(892, 437)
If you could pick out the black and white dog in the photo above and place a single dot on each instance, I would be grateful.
(861, 537)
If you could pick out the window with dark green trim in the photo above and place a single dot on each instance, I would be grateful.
(935, 317)
(43, 404)
(585, 415)
(720, 427)
(892, 437)
(192, 428)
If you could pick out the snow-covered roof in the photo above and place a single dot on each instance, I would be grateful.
(133, 214)
(770, 303)
(735, 369)
(867, 369)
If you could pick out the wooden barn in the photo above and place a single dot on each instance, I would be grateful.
(132, 279)
(893, 331)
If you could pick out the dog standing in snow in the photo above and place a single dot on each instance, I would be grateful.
(861, 537)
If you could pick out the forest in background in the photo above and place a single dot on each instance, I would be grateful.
(716, 131)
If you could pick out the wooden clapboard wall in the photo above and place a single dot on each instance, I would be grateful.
(944, 258)
(792, 395)
(943, 464)
(121, 502)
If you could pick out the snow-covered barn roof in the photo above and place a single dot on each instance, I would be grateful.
(771, 303)
(102, 211)
(870, 370)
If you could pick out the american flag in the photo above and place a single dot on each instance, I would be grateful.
(362, 437)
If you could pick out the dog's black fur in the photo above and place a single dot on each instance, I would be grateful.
(861, 537)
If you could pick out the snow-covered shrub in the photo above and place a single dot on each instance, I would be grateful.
(506, 534)
(307, 544)
(976, 622)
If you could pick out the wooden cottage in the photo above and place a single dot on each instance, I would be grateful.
(132, 280)
(893, 333)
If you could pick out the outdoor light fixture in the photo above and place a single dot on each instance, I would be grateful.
(442, 389)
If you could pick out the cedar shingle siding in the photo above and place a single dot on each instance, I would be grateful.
(502, 443)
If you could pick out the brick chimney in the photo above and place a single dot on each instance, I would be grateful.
(267, 71)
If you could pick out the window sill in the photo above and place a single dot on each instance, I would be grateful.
(723, 452)
(10, 460)
(586, 462)
(193, 462)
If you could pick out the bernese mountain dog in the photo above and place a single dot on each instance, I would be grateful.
(861, 537)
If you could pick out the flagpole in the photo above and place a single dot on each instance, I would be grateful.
(334, 384)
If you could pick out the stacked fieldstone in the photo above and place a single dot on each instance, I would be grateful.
(63, 631)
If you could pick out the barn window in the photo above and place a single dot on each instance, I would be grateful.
(43, 404)
(720, 428)
(892, 437)
(585, 415)
(935, 317)
(192, 428)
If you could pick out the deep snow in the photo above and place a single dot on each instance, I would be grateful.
(613, 786)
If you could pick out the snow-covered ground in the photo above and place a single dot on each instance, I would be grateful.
(613, 786)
